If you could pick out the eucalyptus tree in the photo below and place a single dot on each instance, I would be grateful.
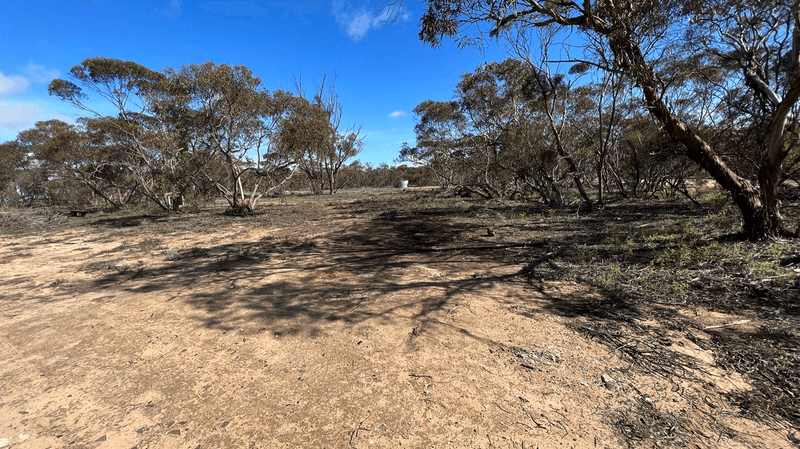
(597, 116)
(231, 117)
(276, 167)
(346, 146)
(759, 42)
(70, 164)
(225, 121)
(441, 147)
(136, 151)
(492, 133)
(189, 128)
(302, 132)
(347, 142)
(61, 158)
(494, 98)
(12, 161)
(324, 158)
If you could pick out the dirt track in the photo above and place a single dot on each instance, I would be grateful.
(323, 323)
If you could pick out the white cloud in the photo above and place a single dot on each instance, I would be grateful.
(357, 22)
(397, 114)
(39, 74)
(358, 25)
(12, 84)
(22, 113)
(16, 117)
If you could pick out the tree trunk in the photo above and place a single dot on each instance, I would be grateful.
(745, 196)
(767, 221)
(573, 167)
(600, 185)
(760, 210)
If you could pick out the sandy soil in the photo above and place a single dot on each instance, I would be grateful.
(328, 324)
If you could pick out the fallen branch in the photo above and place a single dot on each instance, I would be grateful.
(354, 435)
(732, 323)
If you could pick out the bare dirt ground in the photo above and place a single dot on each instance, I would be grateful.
(354, 322)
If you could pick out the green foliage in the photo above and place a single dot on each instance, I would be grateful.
(778, 249)
(622, 244)
(681, 245)
(494, 137)
(767, 269)
(716, 202)
(720, 208)
(304, 128)
(609, 276)
(741, 52)
(192, 131)
(679, 287)
(771, 267)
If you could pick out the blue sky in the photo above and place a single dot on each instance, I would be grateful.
(383, 70)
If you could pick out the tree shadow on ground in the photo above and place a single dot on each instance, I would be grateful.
(632, 308)
(339, 278)
(128, 221)
(342, 275)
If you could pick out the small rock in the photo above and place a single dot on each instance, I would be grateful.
(142, 429)
(174, 432)
(224, 424)
(609, 381)
(102, 438)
